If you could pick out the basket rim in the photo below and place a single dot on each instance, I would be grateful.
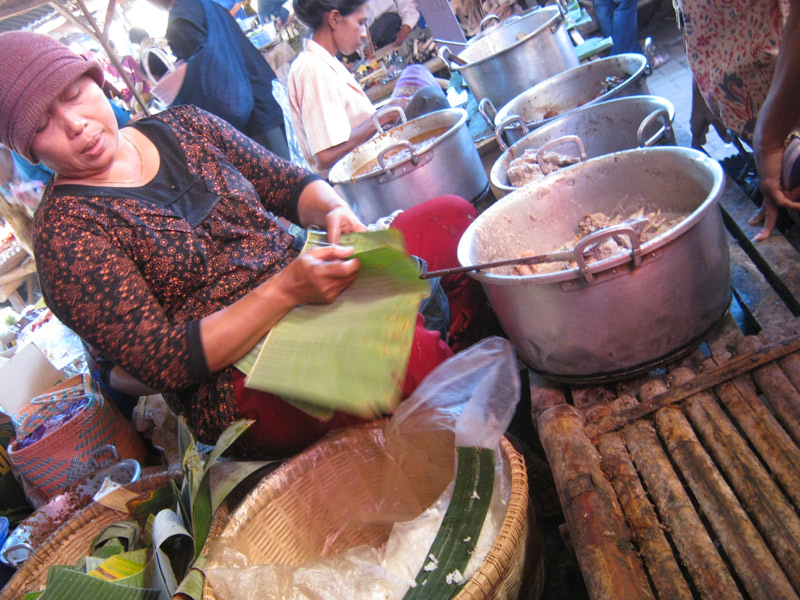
(82, 525)
(513, 529)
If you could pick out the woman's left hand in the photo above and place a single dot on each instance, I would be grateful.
(341, 220)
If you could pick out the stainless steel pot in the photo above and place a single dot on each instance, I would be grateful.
(449, 165)
(507, 60)
(619, 124)
(625, 314)
(581, 86)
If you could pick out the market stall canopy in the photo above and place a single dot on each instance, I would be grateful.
(23, 14)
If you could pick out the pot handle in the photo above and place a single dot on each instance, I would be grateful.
(560, 140)
(110, 448)
(448, 57)
(487, 19)
(482, 105)
(664, 132)
(7, 553)
(629, 229)
(385, 111)
(401, 144)
(512, 120)
(650, 54)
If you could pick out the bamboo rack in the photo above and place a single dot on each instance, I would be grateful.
(686, 484)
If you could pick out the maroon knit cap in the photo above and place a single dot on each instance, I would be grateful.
(34, 70)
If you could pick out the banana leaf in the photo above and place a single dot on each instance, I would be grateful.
(354, 351)
(73, 585)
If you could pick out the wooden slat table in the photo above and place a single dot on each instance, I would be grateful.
(685, 483)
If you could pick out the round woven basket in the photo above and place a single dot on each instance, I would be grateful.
(70, 542)
(273, 521)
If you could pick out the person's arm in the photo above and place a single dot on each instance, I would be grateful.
(778, 117)
(317, 276)
(358, 135)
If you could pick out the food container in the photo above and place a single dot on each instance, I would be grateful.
(507, 60)
(274, 526)
(604, 128)
(432, 155)
(589, 83)
(625, 314)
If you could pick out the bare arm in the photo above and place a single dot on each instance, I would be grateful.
(358, 135)
(779, 115)
(315, 277)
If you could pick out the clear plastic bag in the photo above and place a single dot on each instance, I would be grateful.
(357, 486)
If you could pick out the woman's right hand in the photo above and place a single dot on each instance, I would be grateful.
(319, 275)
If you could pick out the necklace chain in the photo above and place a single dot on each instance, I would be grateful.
(141, 164)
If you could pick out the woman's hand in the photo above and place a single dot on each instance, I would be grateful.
(318, 276)
(341, 220)
(320, 205)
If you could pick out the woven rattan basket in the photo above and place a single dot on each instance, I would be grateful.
(273, 520)
(72, 540)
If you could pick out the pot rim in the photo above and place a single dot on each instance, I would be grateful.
(334, 178)
(534, 12)
(505, 111)
(552, 180)
(522, 144)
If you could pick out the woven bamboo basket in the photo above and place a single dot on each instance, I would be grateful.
(273, 521)
(70, 542)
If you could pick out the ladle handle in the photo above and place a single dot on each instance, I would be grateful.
(520, 260)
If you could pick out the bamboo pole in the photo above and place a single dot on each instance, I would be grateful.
(709, 573)
(656, 552)
(713, 375)
(765, 503)
(778, 389)
(764, 432)
(752, 560)
(609, 562)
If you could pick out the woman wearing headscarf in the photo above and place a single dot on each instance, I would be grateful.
(158, 243)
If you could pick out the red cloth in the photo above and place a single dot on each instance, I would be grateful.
(432, 231)
(281, 429)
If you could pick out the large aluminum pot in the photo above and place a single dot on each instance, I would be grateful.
(507, 60)
(619, 124)
(437, 156)
(589, 83)
(628, 313)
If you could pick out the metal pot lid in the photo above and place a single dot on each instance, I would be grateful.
(346, 168)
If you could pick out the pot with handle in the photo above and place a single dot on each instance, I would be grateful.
(590, 83)
(432, 155)
(624, 314)
(618, 124)
(506, 60)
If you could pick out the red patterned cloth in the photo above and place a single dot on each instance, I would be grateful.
(732, 47)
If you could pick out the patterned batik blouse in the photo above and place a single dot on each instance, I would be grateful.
(732, 47)
(133, 270)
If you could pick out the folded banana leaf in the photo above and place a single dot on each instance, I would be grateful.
(350, 355)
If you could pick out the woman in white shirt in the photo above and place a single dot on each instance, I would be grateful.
(330, 112)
